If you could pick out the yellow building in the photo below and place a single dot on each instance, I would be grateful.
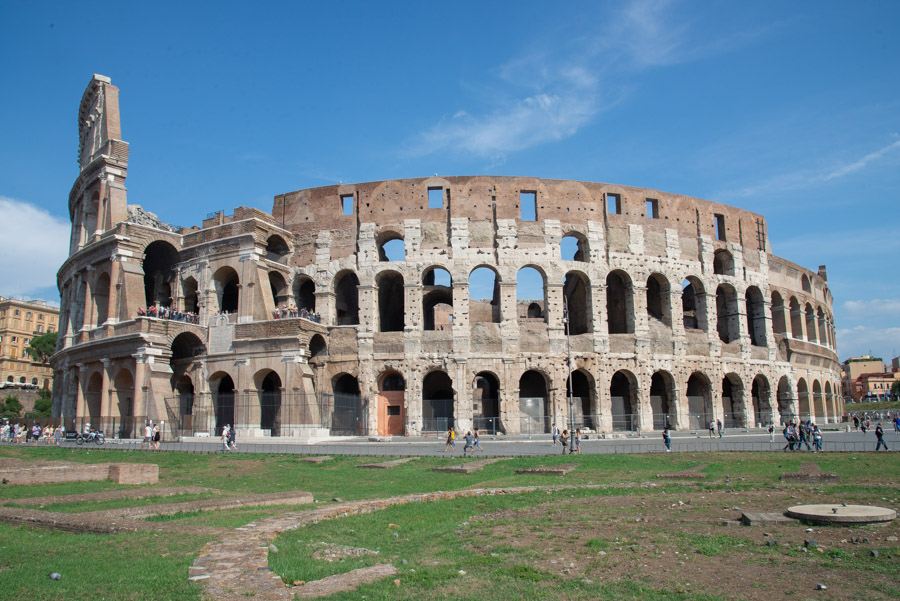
(20, 321)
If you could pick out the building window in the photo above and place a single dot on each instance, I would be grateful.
(528, 206)
(15, 339)
(28, 315)
(40, 329)
(347, 204)
(435, 198)
(614, 204)
(17, 312)
(652, 208)
(40, 317)
(720, 227)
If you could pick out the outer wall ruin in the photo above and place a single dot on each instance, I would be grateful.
(675, 309)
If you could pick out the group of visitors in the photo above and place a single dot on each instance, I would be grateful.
(167, 313)
(715, 426)
(801, 433)
(864, 422)
(473, 442)
(291, 311)
(22, 434)
(563, 438)
(228, 438)
(151, 437)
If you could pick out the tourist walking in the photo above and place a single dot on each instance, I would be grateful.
(712, 429)
(817, 439)
(478, 446)
(771, 432)
(879, 434)
(788, 433)
(667, 440)
(555, 433)
(232, 435)
(803, 435)
(57, 435)
(451, 441)
(225, 438)
(470, 443)
(719, 427)
(148, 436)
(156, 437)
(578, 441)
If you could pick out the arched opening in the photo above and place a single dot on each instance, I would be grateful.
(305, 294)
(277, 249)
(823, 336)
(189, 290)
(534, 311)
(785, 401)
(348, 416)
(699, 401)
(803, 404)
(761, 395)
(223, 399)
(318, 350)
(486, 402)
(574, 247)
(581, 390)
(123, 403)
(728, 322)
(184, 348)
(619, 303)
(659, 307)
(391, 247)
(346, 299)
(101, 298)
(733, 401)
(438, 413)
(437, 299)
(662, 400)
(810, 323)
(830, 408)
(184, 390)
(484, 296)
(92, 399)
(796, 319)
(278, 287)
(160, 259)
(805, 283)
(778, 324)
(534, 403)
(756, 316)
(723, 263)
(576, 292)
(693, 304)
(391, 404)
(622, 396)
(818, 403)
(530, 290)
(391, 313)
(269, 392)
(226, 283)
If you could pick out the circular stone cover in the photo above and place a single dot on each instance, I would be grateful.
(841, 514)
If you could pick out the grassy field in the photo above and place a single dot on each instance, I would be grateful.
(880, 406)
(633, 537)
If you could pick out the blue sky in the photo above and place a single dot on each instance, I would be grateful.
(790, 109)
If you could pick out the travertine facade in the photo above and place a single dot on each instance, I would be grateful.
(677, 310)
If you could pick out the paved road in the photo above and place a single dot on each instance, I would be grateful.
(503, 446)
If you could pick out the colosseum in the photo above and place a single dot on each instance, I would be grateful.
(410, 306)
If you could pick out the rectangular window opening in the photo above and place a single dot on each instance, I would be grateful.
(528, 206)
(652, 208)
(435, 198)
(347, 204)
(393, 409)
(720, 227)
(614, 204)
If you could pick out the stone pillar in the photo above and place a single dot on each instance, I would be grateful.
(80, 407)
(104, 393)
(112, 311)
(88, 320)
(140, 366)
(463, 401)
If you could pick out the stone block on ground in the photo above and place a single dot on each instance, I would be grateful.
(134, 473)
(384, 465)
(559, 470)
(810, 472)
(467, 468)
(763, 518)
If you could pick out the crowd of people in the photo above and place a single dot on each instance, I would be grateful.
(167, 313)
(291, 311)
(802, 433)
(22, 434)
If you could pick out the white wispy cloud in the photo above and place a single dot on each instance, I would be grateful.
(33, 245)
(864, 340)
(808, 178)
(874, 306)
(549, 95)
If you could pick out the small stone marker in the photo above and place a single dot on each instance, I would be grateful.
(810, 472)
(387, 464)
(467, 468)
(557, 470)
(760, 518)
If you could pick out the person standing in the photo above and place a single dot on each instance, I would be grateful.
(156, 437)
(564, 439)
(771, 432)
(578, 441)
(232, 435)
(148, 436)
(225, 438)
(719, 427)
(451, 441)
(57, 435)
(555, 433)
(470, 443)
(817, 439)
(879, 434)
(667, 440)
(712, 429)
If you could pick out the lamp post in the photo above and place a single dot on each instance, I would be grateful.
(569, 367)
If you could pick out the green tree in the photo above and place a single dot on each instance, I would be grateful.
(10, 407)
(42, 347)
(42, 405)
(895, 389)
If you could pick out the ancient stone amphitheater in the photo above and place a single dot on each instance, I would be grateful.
(410, 306)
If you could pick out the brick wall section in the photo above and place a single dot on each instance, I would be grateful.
(52, 473)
